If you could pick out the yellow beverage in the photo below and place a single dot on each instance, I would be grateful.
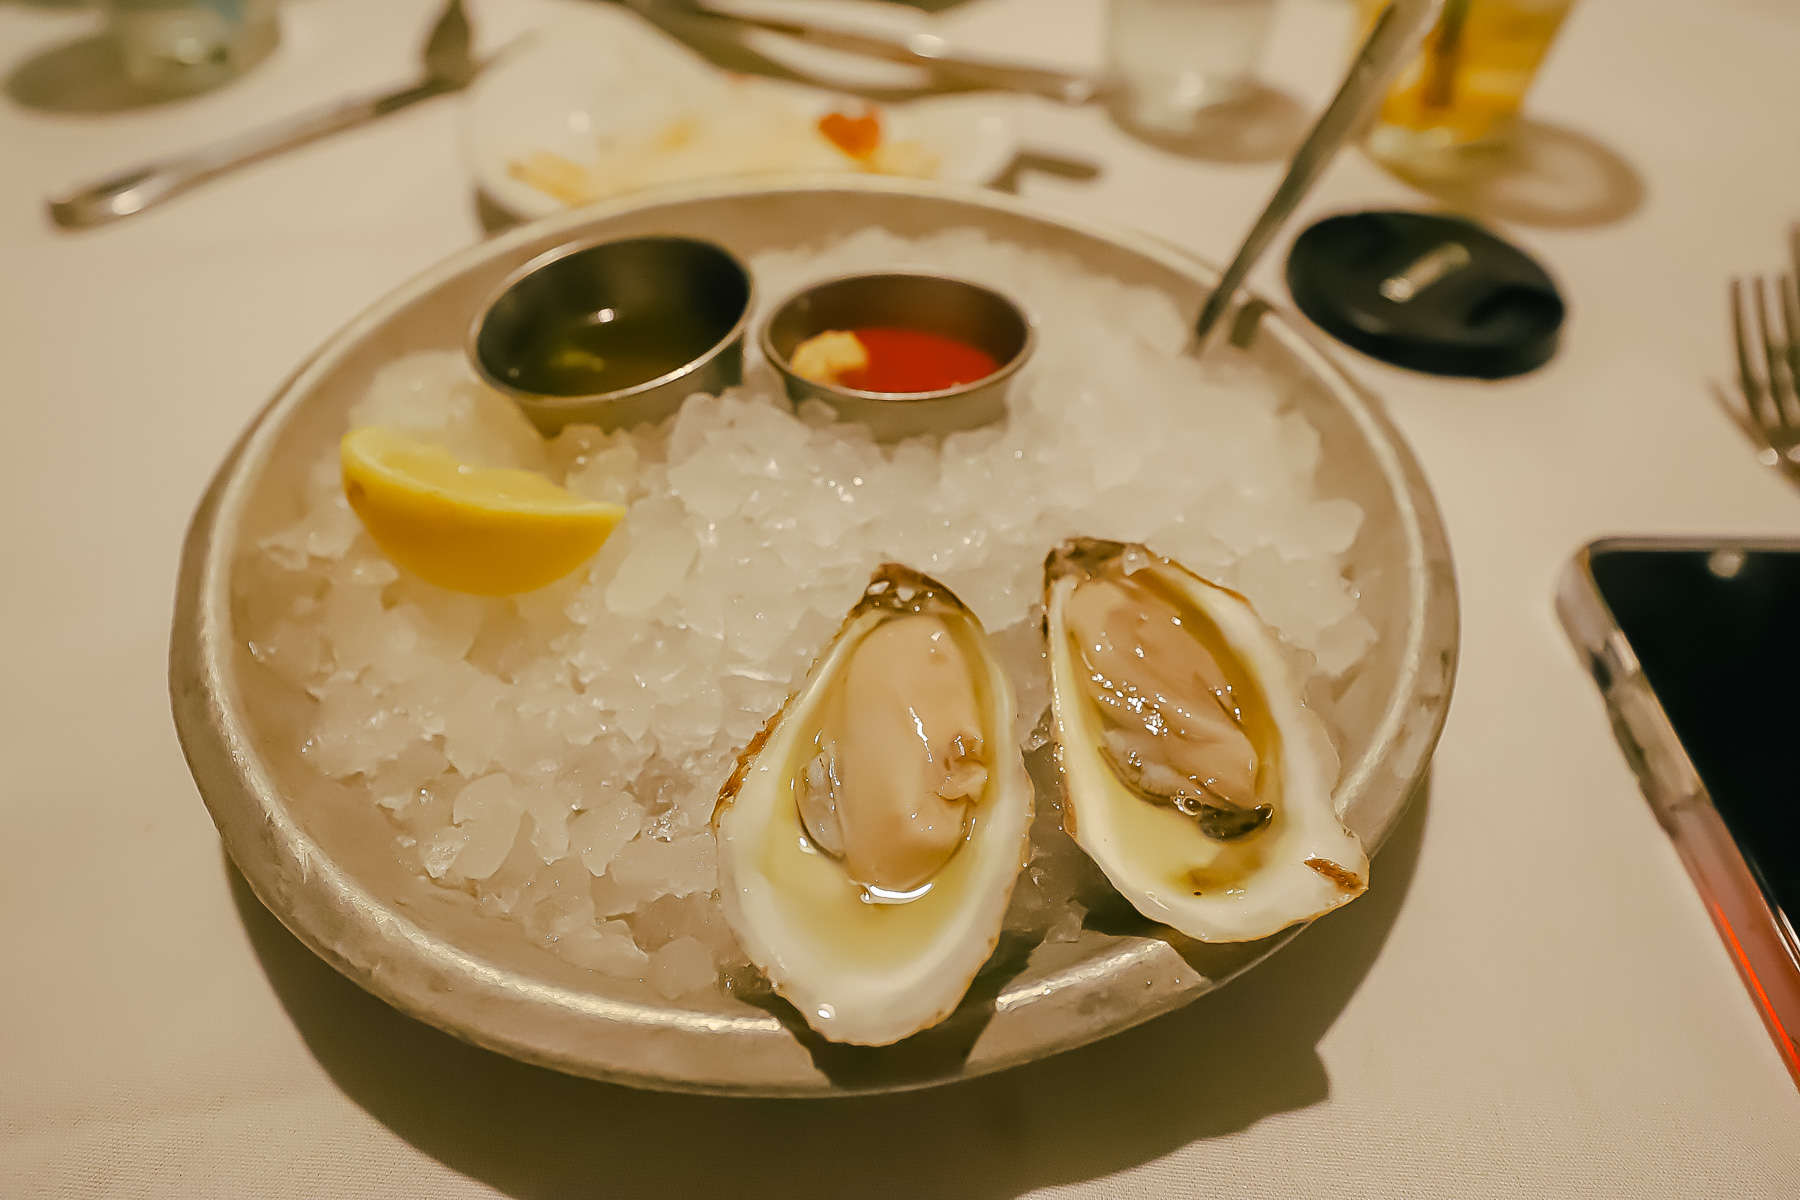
(1471, 75)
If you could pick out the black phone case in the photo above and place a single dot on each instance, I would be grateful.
(1759, 937)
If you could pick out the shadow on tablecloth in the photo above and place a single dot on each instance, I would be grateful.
(1545, 175)
(1265, 125)
(1220, 1065)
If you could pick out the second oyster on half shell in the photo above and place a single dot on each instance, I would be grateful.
(1194, 774)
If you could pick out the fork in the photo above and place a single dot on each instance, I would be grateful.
(446, 65)
(1768, 360)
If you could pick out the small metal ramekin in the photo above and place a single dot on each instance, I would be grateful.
(592, 275)
(912, 300)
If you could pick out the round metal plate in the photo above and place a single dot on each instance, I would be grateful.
(323, 864)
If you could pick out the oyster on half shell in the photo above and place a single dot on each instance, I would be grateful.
(1194, 774)
(871, 834)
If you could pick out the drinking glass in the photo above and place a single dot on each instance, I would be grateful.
(1465, 87)
(177, 47)
(1169, 60)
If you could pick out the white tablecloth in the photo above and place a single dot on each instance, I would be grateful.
(1530, 1003)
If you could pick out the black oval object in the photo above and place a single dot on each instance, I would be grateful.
(1433, 293)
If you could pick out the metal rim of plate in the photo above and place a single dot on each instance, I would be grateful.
(539, 1012)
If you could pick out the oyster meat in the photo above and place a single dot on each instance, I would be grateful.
(1194, 774)
(871, 834)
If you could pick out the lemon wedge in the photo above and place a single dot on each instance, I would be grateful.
(492, 531)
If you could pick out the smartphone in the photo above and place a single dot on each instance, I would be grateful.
(1695, 646)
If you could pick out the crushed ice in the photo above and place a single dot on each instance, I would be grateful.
(557, 754)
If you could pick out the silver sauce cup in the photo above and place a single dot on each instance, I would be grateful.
(930, 303)
(681, 282)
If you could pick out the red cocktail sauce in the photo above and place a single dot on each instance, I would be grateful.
(912, 360)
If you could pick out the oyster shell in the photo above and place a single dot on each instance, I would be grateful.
(870, 835)
(1194, 774)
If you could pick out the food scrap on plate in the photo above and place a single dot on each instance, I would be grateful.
(757, 133)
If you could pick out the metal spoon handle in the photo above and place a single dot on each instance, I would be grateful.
(151, 183)
(1395, 32)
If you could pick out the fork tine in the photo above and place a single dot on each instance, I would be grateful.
(1765, 436)
(1735, 412)
(1750, 385)
(1789, 298)
(1780, 387)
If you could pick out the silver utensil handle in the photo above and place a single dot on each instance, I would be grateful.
(145, 186)
(923, 49)
(1394, 34)
(1064, 86)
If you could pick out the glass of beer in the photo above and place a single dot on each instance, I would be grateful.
(1465, 87)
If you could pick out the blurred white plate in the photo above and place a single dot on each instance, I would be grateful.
(606, 74)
